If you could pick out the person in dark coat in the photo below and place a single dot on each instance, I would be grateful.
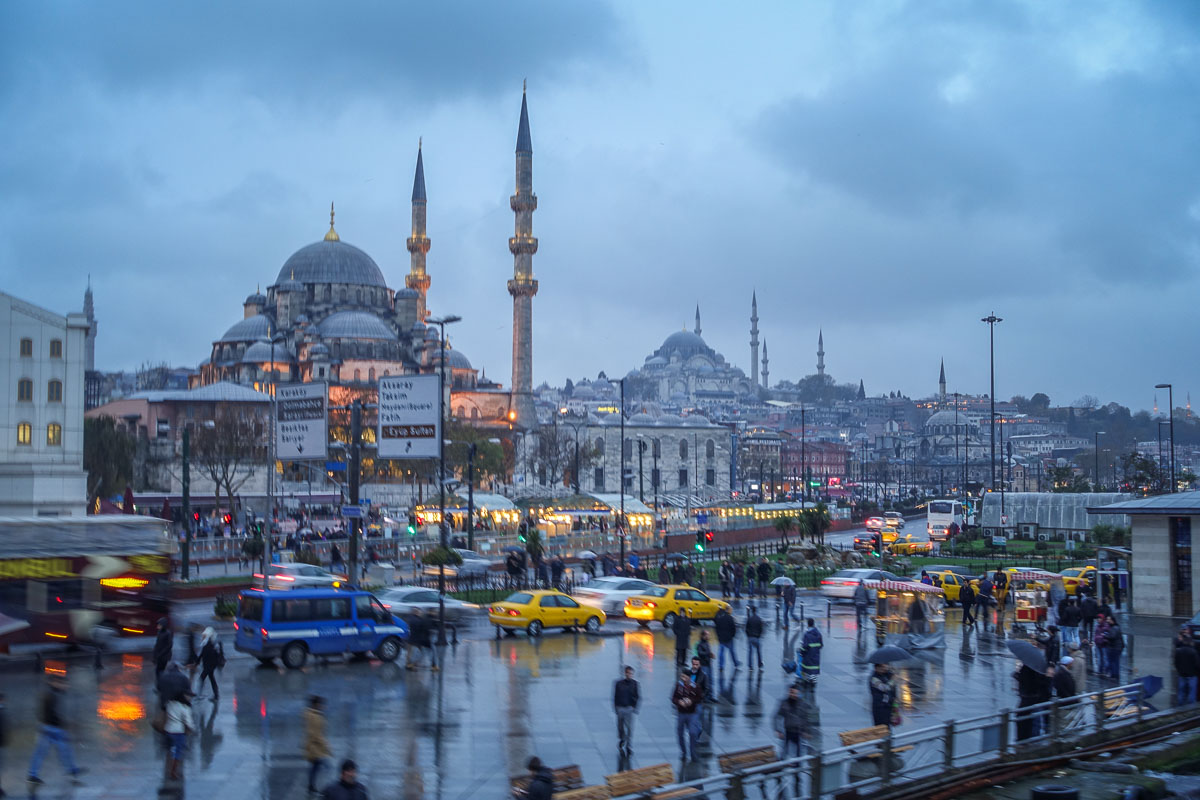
(790, 719)
(966, 599)
(883, 695)
(626, 695)
(701, 680)
(809, 653)
(347, 787)
(1114, 644)
(1061, 679)
(862, 602)
(1068, 620)
(677, 573)
(212, 658)
(1089, 609)
(764, 575)
(754, 631)
(789, 601)
(164, 646)
(983, 600)
(683, 638)
(687, 700)
(172, 684)
(1033, 687)
(739, 577)
(420, 641)
(726, 628)
(557, 567)
(1052, 645)
(1187, 667)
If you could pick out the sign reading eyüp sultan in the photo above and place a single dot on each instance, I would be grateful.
(302, 430)
(409, 426)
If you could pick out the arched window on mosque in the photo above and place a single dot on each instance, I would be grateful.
(710, 449)
(600, 446)
(683, 448)
(371, 374)
(658, 448)
(628, 449)
(475, 412)
(358, 296)
(357, 375)
(461, 413)
(342, 294)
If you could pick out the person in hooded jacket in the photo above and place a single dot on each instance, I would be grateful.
(347, 786)
(541, 786)
(726, 628)
(212, 658)
(1089, 609)
(754, 632)
(683, 638)
(809, 653)
(790, 719)
(164, 646)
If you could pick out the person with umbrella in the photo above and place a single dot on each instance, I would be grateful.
(883, 696)
(1033, 685)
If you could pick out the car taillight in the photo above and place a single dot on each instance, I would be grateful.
(284, 577)
(512, 612)
(651, 604)
(827, 583)
(265, 635)
(235, 625)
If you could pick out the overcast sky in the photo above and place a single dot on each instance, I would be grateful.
(889, 172)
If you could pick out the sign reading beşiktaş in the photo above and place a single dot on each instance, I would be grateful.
(408, 416)
(301, 430)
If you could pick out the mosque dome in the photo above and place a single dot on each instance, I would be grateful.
(944, 418)
(584, 391)
(354, 325)
(641, 419)
(256, 299)
(670, 421)
(685, 343)
(318, 350)
(656, 361)
(331, 261)
(303, 319)
(290, 285)
(249, 329)
(407, 294)
(260, 352)
(454, 359)
(696, 421)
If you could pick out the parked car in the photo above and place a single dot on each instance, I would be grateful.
(404, 600)
(300, 576)
(535, 611)
(610, 593)
(842, 583)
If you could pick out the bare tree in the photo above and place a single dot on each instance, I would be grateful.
(227, 448)
(553, 454)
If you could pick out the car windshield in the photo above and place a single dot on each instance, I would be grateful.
(656, 591)
(1071, 573)
(519, 598)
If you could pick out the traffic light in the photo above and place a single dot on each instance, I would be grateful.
(412, 526)
(877, 544)
(708, 536)
(228, 519)
(699, 541)
(195, 516)
(521, 531)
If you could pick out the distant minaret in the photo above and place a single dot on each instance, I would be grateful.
(821, 354)
(766, 372)
(697, 319)
(89, 342)
(418, 243)
(523, 287)
(754, 338)
(942, 382)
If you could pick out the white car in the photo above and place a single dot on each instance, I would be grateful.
(473, 565)
(841, 584)
(610, 593)
(893, 519)
(403, 601)
(300, 576)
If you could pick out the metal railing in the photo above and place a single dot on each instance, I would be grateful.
(909, 756)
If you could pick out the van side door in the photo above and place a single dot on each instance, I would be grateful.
(364, 623)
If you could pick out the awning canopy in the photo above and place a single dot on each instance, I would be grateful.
(1177, 504)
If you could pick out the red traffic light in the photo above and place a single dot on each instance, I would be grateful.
(228, 519)
(708, 536)
(195, 516)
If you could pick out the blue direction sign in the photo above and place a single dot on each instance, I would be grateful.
(352, 512)
(701, 518)
(335, 466)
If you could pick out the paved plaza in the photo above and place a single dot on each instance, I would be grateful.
(461, 732)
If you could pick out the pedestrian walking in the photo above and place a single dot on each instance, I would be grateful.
(754, 631)
(1187, 667)
(625, 704)
(212, 658)
(335, 559)
(725, 574)
(193, 648)
(883, 696)
(420, 642)
(809, 653)
(1068, 620)
(862, 601)
(1078, 666)
(1052, 645)
(983, 600)
(764, 575)
(705, 654)
(739, 577)
(1061, 679)
(726, 628)
(347, 787)
(1100, 640)
(966, 599)
(1114, 643)
(683, 637)
(179, 723)
(790, 719)
(1033, 687)
(53, 732)
(700, 679)
(686, 698)
(1088, 611)
(164, 646)
(789, 601)
(315, 746)
(557, 567)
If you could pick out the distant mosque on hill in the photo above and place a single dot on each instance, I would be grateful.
(331, 316)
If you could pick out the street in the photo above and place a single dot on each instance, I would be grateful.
(467, 728)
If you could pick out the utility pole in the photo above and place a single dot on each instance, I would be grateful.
(641, 458)
(355, 467)
(1096, 456)
(186, 480)
(992, 320)
(621, 521)
(803, 458)
(471, 496)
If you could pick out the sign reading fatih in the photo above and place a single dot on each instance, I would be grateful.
(302, 431)
(408, 416)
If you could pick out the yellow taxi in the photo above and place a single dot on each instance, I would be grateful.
(534, 611)
(888, 535)
(952, 583)
(910, 544)
(1075, 577)
(665, 603)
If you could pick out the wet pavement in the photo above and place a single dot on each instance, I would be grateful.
(462, 732)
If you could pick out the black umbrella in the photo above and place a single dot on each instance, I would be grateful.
(887, 654)
(1029, 654)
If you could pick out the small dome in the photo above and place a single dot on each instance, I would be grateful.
(696, 421)
(945, 418)
(318, 350)
(641, 419)
(256, 299)
(302, 319)
(431, 334)
(260, 352)
(354, 325)
(290, 285)
(249, 329)
(419, 328)
(656, 361)
(584, 392)
(454, 359)
(331, 261)
(670, 421)
(407, 294)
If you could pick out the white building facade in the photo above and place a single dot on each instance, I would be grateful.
(41, 418)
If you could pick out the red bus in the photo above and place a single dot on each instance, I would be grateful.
(81, 579)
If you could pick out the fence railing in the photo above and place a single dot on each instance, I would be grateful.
(910, 756)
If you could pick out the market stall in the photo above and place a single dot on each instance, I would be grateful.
(908, 614)
(1032, 593)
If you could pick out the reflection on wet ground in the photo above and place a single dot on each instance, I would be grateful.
(461, 732)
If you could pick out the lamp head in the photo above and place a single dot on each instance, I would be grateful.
(1162, 386)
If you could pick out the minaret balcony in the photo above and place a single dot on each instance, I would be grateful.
(418, 244)
(522, 245)
(523, 202)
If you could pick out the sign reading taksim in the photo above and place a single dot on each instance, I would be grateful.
(408, 416)
(301, 430)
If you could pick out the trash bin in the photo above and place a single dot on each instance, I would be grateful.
(381, 574)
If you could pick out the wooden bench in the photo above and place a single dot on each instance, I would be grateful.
(565, 779)
(585, 793)
(1119, 703)
(644, 781)
(745, 759)
(863, 735)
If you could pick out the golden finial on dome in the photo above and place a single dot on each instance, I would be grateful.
(332, 235)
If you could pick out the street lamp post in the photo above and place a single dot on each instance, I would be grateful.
(992, 320)
(1161, 457)
(442, 531)
(803, 459)
(1171, 403)
(1096, 453)
(621, 521)
(641, 457)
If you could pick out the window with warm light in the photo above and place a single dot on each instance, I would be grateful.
(56, 348)
(25, 390)
(27, 348)
(54, 434)
(54, 391)
(24, 434)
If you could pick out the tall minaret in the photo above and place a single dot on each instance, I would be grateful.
(523, 287)
(697, 319)
(754, 338)
(766, 372)
(821, 354)
(418, 243)
(89, 342)
(942, 382)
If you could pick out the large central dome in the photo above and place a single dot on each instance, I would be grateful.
(332, 261)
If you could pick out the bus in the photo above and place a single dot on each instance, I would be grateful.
(940, 515)
(82, 579)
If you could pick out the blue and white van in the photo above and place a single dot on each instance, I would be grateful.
(292, 624)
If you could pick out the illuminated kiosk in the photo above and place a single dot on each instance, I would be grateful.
(908, 614)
